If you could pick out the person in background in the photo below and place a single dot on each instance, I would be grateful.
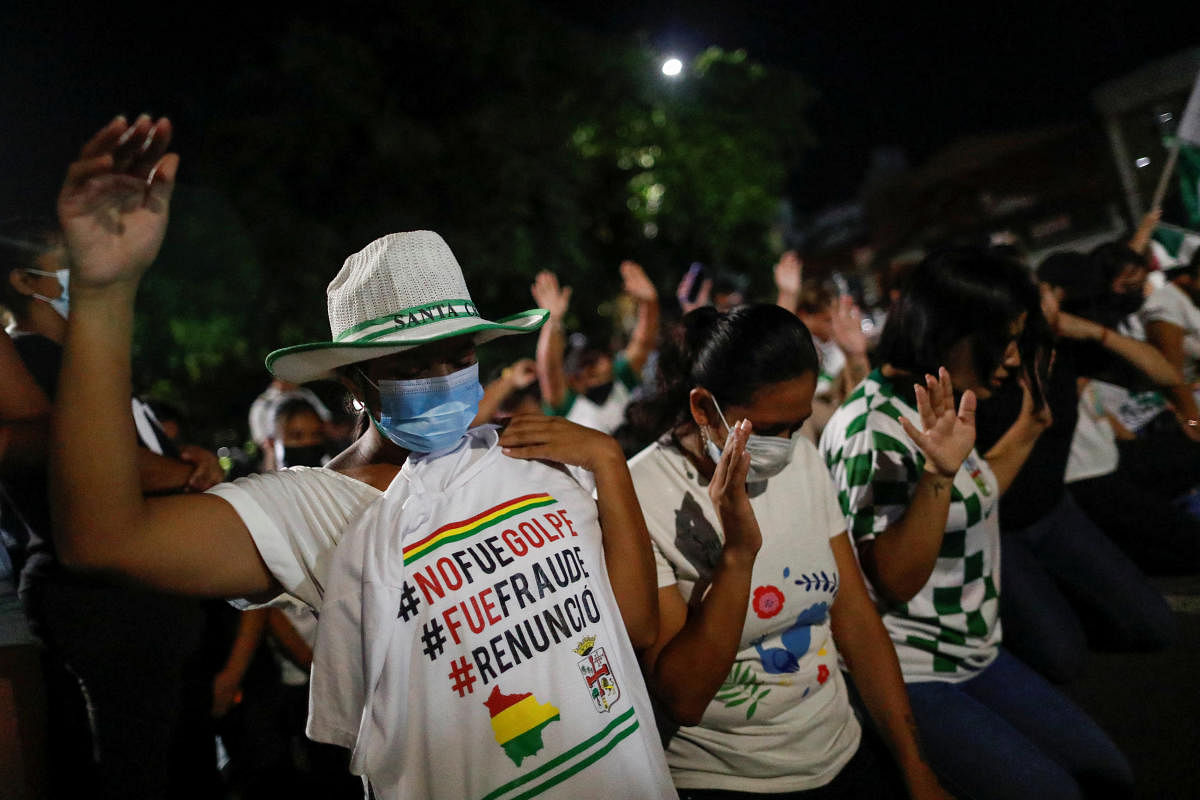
(921, 503)
(1172, 321)
(759, 594)
(515, 390)
(297, 434)
(115, 655)
(1064, 577)
(587, 385)
(262, 420)
(836, 327)
(1157, 535)
(323, 770)
(24, 416)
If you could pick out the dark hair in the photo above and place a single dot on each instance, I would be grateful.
(731, 354)
(290, 407)
(965, 293)
(1109, 259)
(22, 243)
(815, 297)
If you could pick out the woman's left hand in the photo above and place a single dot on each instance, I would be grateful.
(534, 436)
(947, 437)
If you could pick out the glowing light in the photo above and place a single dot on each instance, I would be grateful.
(672, 67)
(1142, 162)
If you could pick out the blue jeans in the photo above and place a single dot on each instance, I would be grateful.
(1063, 583)
(1007, 733)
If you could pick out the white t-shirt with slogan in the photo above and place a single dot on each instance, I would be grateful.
(469, 643)
(781, 722)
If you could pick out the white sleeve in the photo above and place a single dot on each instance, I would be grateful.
(826, 508)
(296, 518)
(1163, 306)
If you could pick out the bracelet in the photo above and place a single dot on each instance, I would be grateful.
(1191, 422)
(1103, 335)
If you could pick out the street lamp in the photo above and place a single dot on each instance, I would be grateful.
(672, 67)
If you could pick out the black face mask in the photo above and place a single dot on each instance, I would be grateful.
(598, 394)
(310, 456)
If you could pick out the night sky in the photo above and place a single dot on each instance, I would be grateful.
(917, 78)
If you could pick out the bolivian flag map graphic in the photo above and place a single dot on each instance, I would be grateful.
(517, 721)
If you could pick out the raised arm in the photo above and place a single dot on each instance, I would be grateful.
(113, 209)
(697, 644)
(899, 560)
(1145, 230)
(1008, 454)
(645, 332)
(552, 338)
(789, 276)
(1167, 338)
(627, 550)
(849, 336)
(1141, 355)
(513, 378)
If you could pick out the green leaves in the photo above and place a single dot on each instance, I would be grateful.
(527, 146)
(742, 687)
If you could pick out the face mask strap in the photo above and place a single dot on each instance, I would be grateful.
(720, 414)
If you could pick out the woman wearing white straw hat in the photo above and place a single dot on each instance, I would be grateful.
(479, 611)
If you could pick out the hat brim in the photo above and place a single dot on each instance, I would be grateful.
(317, 360)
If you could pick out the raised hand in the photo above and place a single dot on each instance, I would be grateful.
(545, 438)
(684, 290)
(637, 285)
(789, 273)
(947, 437)
(548, 295)
(113, 205)
(727, 490)
(520, 373)
(847, 327)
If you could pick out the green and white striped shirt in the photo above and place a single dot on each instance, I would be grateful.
(950, 630)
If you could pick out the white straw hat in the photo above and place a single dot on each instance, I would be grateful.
(398, 292)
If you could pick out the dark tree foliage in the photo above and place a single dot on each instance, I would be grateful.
(527, 143)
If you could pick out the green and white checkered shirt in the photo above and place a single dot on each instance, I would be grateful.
(951, 629)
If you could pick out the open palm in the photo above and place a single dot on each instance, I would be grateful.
(548, 295)
(947, 437)
(114, 202)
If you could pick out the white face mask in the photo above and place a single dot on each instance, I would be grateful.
(769, 455)
(62, 303)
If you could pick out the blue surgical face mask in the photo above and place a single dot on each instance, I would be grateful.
(769, 455)
(425, 415)
(62, 303)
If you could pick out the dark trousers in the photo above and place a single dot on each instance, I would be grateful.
(1007, 734)
(1063, 583)
(867, 774)
(1158, 536)
(125, 651)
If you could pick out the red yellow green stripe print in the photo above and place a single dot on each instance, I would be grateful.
(457, 531)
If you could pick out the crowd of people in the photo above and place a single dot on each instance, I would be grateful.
(755, 551)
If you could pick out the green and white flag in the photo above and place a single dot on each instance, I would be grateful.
(1173, 246)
